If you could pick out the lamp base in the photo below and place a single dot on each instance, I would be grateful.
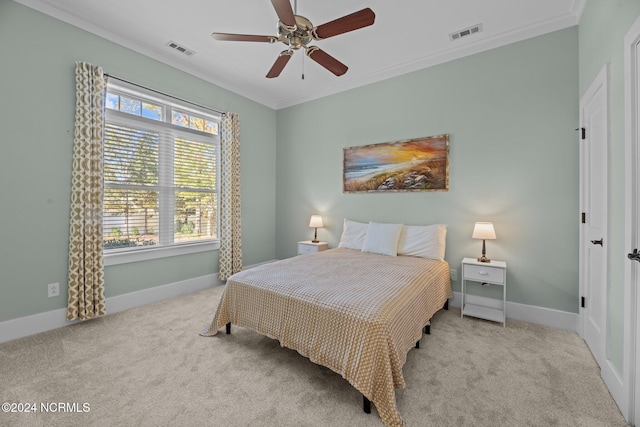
(315, 241)
(483, 258)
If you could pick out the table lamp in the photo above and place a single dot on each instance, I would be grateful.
(315, 222)
(484, 231)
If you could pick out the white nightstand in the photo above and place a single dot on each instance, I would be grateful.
(493, 273)
(308, 247)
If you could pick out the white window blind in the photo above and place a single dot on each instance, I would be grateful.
(160, 172)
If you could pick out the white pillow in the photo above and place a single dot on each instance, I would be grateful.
(382, 239)
(353, 234)
(427, 241)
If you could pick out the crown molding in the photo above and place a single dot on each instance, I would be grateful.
(49, 8)
(346, 83)
(482, 45)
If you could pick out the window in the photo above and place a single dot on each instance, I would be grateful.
(160, 175)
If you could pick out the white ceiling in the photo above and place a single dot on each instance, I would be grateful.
(407, 35)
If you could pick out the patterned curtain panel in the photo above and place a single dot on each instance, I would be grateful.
(86, 270)
(230, 228)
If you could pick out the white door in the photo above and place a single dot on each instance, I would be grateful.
(633, 123)
(594, 137)
(632, 228)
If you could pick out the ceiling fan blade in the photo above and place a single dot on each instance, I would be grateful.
(354, 21)
(327, 61)
(278, 66)
(284, 12)
(243, 38)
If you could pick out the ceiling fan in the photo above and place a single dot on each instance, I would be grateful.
(297, 32)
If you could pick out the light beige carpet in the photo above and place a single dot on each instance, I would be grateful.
(149, 367)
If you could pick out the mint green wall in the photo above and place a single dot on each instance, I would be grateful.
(602, 29)
(37, 99)
(510, 113)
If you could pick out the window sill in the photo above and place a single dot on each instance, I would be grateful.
(123, 257)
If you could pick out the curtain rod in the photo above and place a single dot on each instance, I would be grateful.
(111, 76)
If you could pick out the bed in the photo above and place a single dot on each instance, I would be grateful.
(356, 313)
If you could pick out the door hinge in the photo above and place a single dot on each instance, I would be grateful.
(583, 132)
(584, 218)
(582, 302)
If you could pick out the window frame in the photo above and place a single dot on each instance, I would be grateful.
(135, 254)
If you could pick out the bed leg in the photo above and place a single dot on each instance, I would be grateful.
(418, 344)
(366, 405)
(229, 328)
(446, 305)
(427, 329)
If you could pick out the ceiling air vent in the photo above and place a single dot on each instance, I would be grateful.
(180, 48)
(465, 32)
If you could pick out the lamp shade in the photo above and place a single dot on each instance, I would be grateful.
(316, 221)
(484, 231)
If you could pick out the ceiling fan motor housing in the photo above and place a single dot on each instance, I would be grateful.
(298, 36)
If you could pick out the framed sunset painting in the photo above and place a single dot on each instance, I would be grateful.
(420, 164)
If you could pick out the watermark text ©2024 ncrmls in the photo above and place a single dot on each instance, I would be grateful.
(46, 407)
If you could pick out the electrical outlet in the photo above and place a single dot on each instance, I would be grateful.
(453, 274)
(53, 289)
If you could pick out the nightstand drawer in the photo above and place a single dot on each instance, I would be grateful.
(309, 247)
(481, 273)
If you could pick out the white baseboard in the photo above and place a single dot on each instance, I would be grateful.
(158, 293)
(614, 382)
(526, 313)
(41, 322)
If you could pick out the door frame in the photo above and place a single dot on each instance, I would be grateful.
(631, 332)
